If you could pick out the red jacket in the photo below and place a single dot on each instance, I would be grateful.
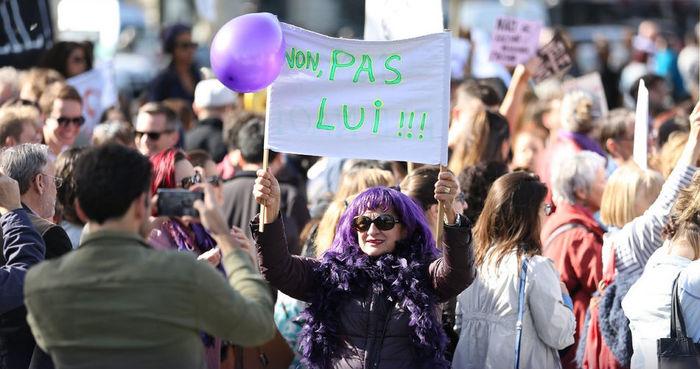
(577, 254)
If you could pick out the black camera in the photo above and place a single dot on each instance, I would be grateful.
(177, 202)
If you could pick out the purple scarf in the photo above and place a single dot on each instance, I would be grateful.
(198, 241)
(402, 275)
(584, 142)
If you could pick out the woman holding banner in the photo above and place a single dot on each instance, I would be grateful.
(374, 294)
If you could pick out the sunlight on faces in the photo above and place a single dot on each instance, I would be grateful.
(376, 242)
(525, 150)
(153, 123)
(63, 134)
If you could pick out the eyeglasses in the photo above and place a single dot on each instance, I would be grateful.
(64, 121)
(153, 136)
(186, 45)
(384, 222)
(57, 181)
(549, 209)
(188, 182)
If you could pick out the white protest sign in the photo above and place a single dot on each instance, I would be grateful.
(641, 127)
(514, 41)
(383, 100)
(593, 85)
(387, 20)
(99, 92)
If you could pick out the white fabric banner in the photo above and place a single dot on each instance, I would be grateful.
(387, 20)
(99, 92)
(383, 100)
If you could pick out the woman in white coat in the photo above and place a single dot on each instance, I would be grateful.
(506, 233)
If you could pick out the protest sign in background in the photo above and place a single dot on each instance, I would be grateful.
(552, 60)
(384, 100)
(514, 41)
(99, 92)
(593, 85)
(641, 127)
(387, 20)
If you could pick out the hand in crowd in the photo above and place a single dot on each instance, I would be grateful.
(446, 190)
(9, 194)
(210, 215)
(267, 193)
(212, 256)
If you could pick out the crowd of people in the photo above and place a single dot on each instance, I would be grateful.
(541, 244)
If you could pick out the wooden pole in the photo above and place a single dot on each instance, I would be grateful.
(266, 159)
(409, 167)
(439, 220)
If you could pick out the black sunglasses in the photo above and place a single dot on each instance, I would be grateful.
(384, 222)
(153, 136)
(186, 45)
(188, 182)
(64, 121)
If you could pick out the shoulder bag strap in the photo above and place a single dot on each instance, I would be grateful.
(558, 232)
(677, 321)
(521, 310)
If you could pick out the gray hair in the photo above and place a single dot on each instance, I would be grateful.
(574, 173)
(574, 118)
(23, 162)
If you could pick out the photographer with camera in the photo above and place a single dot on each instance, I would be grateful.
(117, 303)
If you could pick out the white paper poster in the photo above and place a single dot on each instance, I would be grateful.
(387, 20)
(514, 41)
(383, 100)
(99, 92)
(641, 127)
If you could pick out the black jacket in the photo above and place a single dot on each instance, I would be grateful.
(240, 206)
(17, 346)
(208, 136)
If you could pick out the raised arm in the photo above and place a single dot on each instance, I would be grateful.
(22, 247)
(454, 271)
(292, 275)
(641, 237)
(242, 310)
(512, 105)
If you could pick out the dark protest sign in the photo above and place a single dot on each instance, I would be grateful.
(25, 33)
(552, 60)
(514, 41)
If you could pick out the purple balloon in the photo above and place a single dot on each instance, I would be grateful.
(247, 53)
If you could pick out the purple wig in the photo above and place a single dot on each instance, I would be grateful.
(412, 219)
(402, 275)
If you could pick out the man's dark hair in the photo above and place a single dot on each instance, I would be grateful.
(250, 141)
(108, 179)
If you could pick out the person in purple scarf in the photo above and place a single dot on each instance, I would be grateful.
(171, 169)
(374, 294)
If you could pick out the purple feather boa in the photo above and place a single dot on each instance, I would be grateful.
(402, 275)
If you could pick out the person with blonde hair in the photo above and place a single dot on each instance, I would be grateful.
(648, 303)
(18, 125)
(353, 182)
